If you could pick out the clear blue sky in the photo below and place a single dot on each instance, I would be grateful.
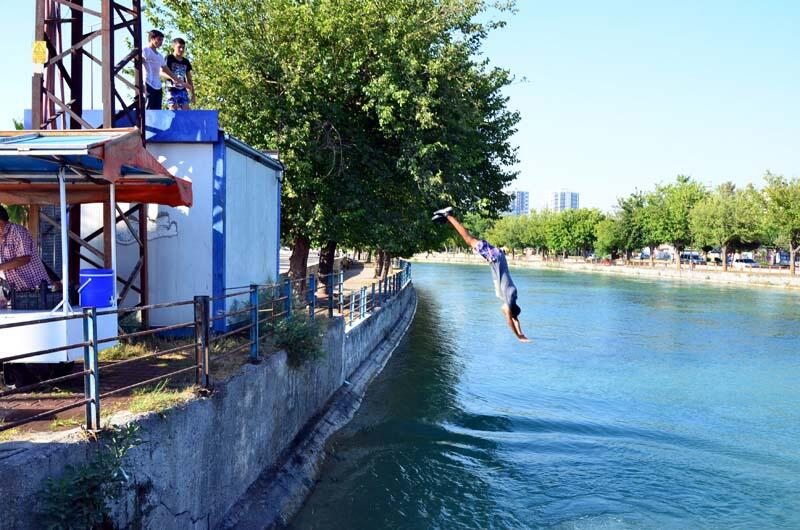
(617, 94)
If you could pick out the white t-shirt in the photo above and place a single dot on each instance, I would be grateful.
(153, 61)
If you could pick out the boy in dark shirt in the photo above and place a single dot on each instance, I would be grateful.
(182, 69)
(504, 286)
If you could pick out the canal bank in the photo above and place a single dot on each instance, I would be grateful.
(199, 459)
(703, 274)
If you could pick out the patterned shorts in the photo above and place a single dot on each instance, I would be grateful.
(489, 253)
(178, 97)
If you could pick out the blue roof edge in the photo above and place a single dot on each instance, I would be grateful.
(247, 150)
(164, 126)
(183, 126)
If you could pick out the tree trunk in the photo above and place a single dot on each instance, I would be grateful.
(723, 249)
(327, 256)
(387, 264)
(378, 263)
(792, 253)
(298, 261)
(369, 256)
(677, 258)
(652, 256)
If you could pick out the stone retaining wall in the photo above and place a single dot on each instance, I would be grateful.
(200, 458)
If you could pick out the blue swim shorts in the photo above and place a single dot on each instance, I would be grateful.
(489, 253)
(178, 97)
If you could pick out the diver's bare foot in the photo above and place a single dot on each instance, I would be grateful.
(524, 339)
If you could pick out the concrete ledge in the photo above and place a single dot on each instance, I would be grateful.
(200, 458)
(279, 493)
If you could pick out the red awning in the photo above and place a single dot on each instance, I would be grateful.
(31, 160)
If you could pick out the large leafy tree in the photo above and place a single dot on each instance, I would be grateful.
(783, 212)
(631, 223)
(728, 218)
(610, 237)
(573, 230)
(672, 217)
(511, 232)
(380, 111)
(654, 231)
(536, 230)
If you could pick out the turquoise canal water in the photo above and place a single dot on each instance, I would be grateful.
(639, 405)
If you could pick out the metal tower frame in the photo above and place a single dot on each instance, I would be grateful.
(58, 94)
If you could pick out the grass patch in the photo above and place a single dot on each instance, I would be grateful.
(159, 397)
(64, 423)
(121, 352)
(56, 393)
(10, 434)
(124, 351)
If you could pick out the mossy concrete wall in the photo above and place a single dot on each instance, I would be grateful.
(200, 458)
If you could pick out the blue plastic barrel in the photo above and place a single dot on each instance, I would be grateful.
(98, 290)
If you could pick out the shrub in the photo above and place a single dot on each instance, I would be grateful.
(301, 337)
(80, 497)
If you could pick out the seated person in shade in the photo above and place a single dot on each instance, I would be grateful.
(504, 287)
(19, 262)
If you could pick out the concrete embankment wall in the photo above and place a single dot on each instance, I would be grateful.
(706, 274)
(200, 458)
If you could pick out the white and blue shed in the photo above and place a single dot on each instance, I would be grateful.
(227, 240)
(230, 238)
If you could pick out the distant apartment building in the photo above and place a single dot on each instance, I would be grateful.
(564, 200)
(519, 203)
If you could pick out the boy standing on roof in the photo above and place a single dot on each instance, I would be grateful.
(155, 67)
(182, 69)
(504, 287)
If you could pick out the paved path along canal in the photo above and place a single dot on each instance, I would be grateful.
(639, 405)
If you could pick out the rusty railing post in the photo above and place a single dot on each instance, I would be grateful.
(91, 381)
(287, 292)
(312, 296)
(253, 323)
(330, 294)
(202, 308)
(341, 291)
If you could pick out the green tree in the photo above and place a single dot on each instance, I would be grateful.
(783, 212)
(673, 217)
(728, 218)
(535, 235)
(557, 233)
(573, 230)
(631, 225)
(610, 237)
(652, 219)
(381, 111)
(510, 231)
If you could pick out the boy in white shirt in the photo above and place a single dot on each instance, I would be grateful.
(155, 67)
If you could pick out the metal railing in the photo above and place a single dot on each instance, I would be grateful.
(247, 315)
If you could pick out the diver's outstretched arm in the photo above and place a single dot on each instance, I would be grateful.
(463, 232)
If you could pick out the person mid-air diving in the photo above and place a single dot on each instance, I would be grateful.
(504, 286)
